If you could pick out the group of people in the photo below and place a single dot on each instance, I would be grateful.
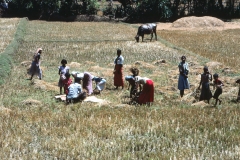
(82, 85)
(141, 88)
(204, 85)
(74, 90)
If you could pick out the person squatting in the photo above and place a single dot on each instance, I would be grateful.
(141, 88)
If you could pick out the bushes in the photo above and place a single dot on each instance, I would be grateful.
(6, 57)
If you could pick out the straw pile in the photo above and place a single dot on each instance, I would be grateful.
(198, 22)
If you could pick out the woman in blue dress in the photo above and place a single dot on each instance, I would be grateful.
(183, 76)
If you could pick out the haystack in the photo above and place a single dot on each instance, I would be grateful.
(214, 65)
(105, 72)
(41, 84)
(31, 102)
(74, 65)
(198, 22)
(200, 104)
(4, 110)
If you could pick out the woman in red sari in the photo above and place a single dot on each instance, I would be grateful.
(118, 70)
(146, 90)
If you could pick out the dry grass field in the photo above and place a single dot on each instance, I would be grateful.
(36, 126)
(221, 46)
(7, 29)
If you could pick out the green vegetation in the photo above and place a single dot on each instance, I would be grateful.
(5, 57)
(39, 127)
(132, 10)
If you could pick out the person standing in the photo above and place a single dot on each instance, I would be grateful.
(62, 70)
(67, 82)
(35, 66)
(146, 87)
(118, 70)
(206, 93)
(183, 82)
(218, 85)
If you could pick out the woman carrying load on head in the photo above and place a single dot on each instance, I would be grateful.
(206, 93)
(35, 66)
(118, 70)
(146, 87)
(183, 82)
(87, 82)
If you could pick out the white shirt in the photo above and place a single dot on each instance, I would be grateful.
(141, 80)
(120, 60)
(63, 70)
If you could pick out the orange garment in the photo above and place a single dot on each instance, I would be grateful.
(66, 83)
(147, 94)
(118, 75)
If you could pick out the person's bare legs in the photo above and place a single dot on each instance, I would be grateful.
(181, 93)
(60, 90)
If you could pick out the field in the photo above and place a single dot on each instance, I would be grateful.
(36, 126)
(7, 30)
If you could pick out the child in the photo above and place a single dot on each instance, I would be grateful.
(67, 82)
(100, 83)
(218, 85)
(62, 70)
(131, 81)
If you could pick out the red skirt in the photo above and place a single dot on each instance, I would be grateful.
(147, 94)
(118, 76)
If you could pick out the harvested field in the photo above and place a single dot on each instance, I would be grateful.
(7, 30)
(39, 127)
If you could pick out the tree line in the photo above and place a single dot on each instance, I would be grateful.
(131, 10)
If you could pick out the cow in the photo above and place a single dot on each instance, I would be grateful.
(149, 28)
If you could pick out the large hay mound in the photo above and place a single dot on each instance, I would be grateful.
(198, 22)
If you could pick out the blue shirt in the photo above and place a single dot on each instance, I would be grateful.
(74, 90)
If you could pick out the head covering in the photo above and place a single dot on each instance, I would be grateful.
(74, 72)
(205, 68)
(80, 75)
(39, 49)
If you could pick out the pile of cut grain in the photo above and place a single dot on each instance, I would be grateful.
(198, 22)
